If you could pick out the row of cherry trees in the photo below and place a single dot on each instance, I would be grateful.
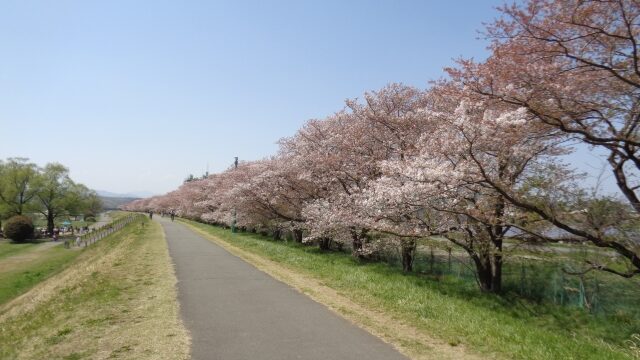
(473, 159)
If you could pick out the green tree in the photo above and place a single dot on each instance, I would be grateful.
(17, 188)
(92, 204)
(58, 195)
(83, 200)
(54, 193)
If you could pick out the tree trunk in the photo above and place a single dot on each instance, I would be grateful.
(356, 245)
(50, 223)
(325, 244)
(484, 279)
(20, 203)
(297, 235)
(489, 273)
(497, 234)
(496, 273)
(408, 252)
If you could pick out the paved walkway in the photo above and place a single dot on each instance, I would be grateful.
(235, 311)
(103, 219)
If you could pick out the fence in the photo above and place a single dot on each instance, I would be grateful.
(547, 279)
(103, 231)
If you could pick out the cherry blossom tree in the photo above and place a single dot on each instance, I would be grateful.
(573, 65)
(277, 194)
(444, 189)
(340, 154)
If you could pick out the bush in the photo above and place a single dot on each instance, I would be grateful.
(18, 228)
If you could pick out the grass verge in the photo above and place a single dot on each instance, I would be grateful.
(116, 300)
(9, 248)
(23, 266)
(438, 311)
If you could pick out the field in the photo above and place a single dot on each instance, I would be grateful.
(116, 299)
(449, 308)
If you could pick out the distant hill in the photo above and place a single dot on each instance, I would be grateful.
(112, 203)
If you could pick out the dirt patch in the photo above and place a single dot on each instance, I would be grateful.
(407, 339)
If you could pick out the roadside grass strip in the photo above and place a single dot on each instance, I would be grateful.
(116, 300)
(425, 317)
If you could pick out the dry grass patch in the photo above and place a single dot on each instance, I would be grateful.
(118, 300)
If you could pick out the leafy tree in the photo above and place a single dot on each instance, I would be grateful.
(54, 193)
(17, 185)
(26, 188)
(92, 204)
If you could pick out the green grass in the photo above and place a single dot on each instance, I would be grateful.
(451, 309)
(9, 248)
(116, 214)
(539, 275)
(26, 266)
(117, 299)
(18, 275)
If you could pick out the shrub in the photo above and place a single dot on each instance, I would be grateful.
(18, 228)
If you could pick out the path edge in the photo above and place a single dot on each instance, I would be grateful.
(374, 322)
(176, 295)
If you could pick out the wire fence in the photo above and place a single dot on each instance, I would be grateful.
(545, 280)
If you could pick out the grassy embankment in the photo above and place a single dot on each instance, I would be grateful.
(24, 265)
(116, 299)
(443, 309)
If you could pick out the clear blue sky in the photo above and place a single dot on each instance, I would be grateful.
(136, 95)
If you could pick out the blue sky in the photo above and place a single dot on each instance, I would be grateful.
(136, 95)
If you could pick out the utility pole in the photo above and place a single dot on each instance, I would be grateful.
(233, 222)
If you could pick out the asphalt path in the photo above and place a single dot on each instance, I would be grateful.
(234, 311)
